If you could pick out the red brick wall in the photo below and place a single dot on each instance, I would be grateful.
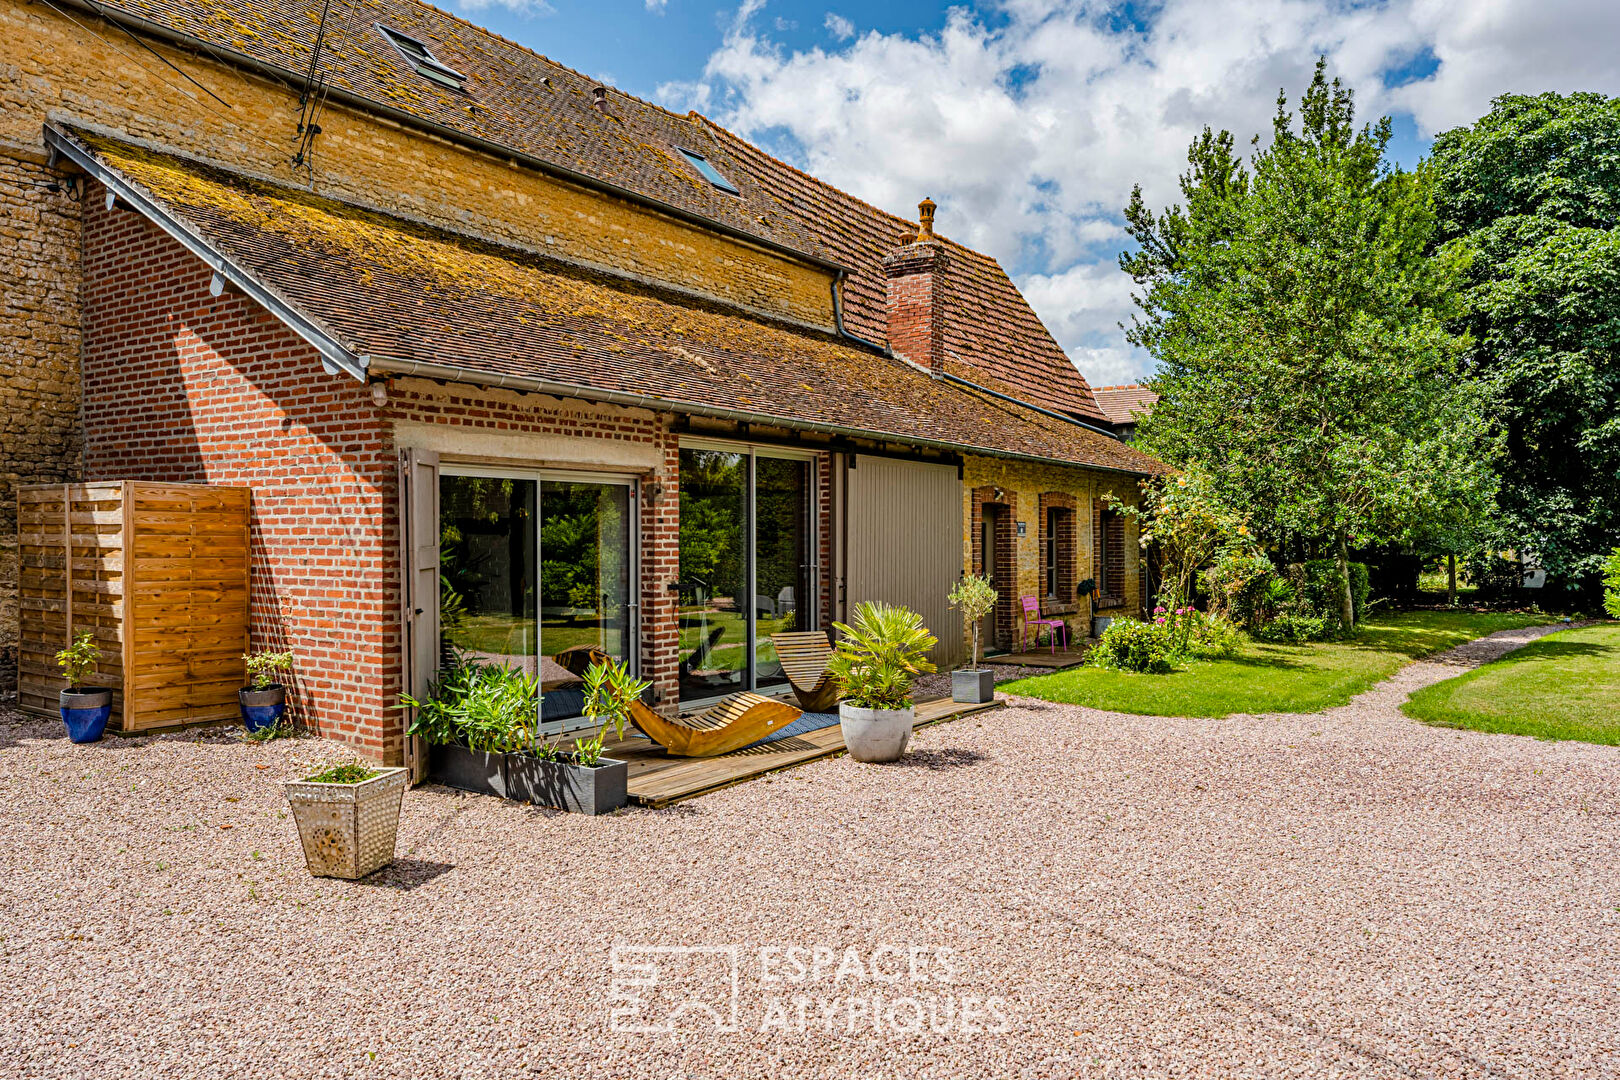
(183, 386)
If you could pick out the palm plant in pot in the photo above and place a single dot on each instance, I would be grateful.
(876, 660)
(975, 598)
(85, 709)
(263, 701)
(581, 779)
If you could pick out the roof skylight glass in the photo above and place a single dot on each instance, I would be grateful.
(423, 61)
(710, 173)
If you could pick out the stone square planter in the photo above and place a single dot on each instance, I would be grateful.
(348, 830)
(579, 789)
(973, 686)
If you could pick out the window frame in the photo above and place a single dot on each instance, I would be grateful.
(708, 171)
(427, 65)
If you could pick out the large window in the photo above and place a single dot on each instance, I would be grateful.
(532, 566)
(747, 565)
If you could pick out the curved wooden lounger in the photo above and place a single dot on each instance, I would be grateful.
(734, 723)
(804, 656)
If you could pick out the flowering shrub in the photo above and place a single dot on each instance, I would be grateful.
(1133, 645)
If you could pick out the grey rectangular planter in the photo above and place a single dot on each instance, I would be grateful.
(575, 788)
(973, 686)
(470, 770)
(1099, 623)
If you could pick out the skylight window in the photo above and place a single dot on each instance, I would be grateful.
(423, 61)
(710, 173)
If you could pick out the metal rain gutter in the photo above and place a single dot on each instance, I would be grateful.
(1065, 417)
(334, 354)
(533, 384)
(494, 149)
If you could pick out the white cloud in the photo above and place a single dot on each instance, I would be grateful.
(839, 27)
(657, 6)
(1029, 125)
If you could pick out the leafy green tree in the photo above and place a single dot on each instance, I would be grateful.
(1532, 191)
(1299, 318)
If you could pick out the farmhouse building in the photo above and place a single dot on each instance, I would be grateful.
(511, 361)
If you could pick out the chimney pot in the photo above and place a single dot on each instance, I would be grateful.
(925, 219)
(599, 98)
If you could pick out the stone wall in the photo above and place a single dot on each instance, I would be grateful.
(39, 357)
(1021, 493)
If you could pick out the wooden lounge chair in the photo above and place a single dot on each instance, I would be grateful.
(804, 656)
(732, 724)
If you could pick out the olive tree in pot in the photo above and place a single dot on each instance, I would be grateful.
(348, 818)
(876, 660)
(974, 597)
(581, 780)
(263, 702)
(85, 709)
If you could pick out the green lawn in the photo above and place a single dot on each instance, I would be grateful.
(1563, 686)
(1265, 678)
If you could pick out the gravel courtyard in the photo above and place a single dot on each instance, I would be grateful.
(1045, 891)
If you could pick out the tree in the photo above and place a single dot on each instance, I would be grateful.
(1532, 192)
(1298, 313)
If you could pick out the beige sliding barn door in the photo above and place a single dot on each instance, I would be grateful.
(904, 542)
(419, 540)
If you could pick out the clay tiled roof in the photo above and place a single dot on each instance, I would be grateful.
(402, 293)
(992, 335)
(523, 101)
(1125, 404)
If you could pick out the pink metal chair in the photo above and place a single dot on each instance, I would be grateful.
(1034, 623)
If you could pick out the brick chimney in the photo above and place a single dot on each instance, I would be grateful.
(916, 274)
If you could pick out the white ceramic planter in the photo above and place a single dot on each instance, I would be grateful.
(876, 734)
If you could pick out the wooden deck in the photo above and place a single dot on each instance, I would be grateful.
(657, 780)
(1041, 658)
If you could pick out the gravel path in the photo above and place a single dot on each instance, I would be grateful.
(1343, 894)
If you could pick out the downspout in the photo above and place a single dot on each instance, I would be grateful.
(838, 316)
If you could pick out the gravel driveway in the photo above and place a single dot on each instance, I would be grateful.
(1044, 891)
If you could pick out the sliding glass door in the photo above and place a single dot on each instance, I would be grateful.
(532, 566)
(747, 565)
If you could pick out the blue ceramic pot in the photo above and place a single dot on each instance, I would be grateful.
(262, 708)
(85, 713)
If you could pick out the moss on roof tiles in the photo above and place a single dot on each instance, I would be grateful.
(495, 309)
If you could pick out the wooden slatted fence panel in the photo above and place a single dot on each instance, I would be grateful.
(159, 573)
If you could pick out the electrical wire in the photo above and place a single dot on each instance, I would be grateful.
(131, 35)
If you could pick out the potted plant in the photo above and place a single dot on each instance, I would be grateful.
(581, 780)
(263, 701)
(876, 660)
(473, 716)
(85, 709)
(348, 818)
(976, 599)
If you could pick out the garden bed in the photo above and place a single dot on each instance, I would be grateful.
(1274, 678)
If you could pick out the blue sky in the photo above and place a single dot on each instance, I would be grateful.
(1028, 120)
